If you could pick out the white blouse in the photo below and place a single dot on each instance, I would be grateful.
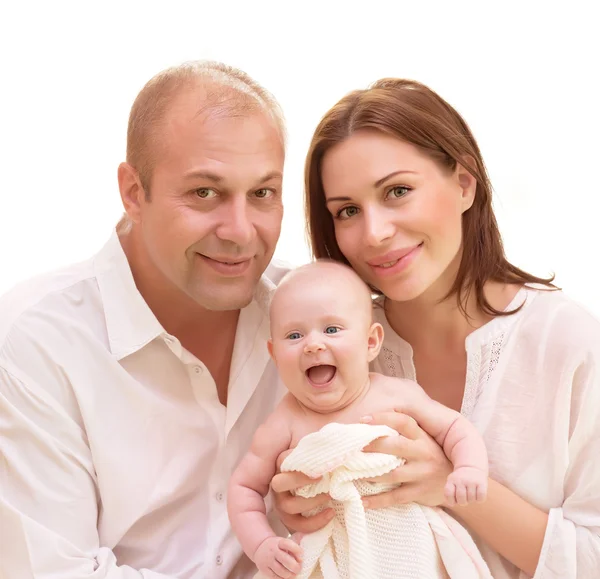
(533, 392)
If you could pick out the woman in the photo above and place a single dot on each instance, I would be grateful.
(397, 188)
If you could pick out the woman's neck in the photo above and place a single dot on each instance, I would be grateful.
(440, 323)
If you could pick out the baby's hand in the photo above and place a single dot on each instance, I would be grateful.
(466, 485)
(278, 558)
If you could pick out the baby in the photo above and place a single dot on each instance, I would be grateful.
(322, 341)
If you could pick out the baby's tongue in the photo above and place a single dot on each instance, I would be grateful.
(320, 374)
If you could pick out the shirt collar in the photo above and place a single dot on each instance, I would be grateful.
(130, 322)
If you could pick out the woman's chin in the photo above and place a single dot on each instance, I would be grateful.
(402, 290)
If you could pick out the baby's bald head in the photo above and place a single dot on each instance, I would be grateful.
(327, 281)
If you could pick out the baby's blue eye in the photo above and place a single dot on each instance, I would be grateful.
(331, 330)
(294, 336)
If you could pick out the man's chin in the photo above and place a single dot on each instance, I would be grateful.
(223, 299)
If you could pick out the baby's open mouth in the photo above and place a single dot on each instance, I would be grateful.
(321, 375)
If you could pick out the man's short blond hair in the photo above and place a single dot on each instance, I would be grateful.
(227, 90)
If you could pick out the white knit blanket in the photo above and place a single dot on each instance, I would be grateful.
(401, 542)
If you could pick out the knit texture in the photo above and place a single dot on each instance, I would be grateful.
(400, 542)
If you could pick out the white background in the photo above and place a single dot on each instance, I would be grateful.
(524, 75)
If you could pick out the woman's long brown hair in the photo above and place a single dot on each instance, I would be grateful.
(413, 113)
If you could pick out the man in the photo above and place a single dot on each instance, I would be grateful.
(131, 384)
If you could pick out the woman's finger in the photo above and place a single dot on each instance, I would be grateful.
(406, 473)
(402, 423)
(400, 496)
(282, 457)
(399, 446)
(290, 481)
(305, 525)
(294, 505)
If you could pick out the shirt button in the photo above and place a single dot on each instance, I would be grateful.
(198, 369)
(219, 560)
(219, 496)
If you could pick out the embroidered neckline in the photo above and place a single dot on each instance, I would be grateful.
(483, 347)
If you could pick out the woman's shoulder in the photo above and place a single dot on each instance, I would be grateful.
(556, 311)
(560, 326)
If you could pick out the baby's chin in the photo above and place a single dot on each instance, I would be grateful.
(327, 402)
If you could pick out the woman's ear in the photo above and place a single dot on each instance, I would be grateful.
(466, 181)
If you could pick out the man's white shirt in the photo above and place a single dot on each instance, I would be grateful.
(115, 452)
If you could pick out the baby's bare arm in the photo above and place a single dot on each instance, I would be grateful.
(461, 442)
(250, 481)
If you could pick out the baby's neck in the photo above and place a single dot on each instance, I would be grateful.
(336, 412)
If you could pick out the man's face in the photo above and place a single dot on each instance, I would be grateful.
(214, 214)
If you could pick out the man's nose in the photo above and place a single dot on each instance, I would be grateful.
(236, 225)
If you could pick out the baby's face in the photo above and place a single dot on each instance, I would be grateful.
(321, 334)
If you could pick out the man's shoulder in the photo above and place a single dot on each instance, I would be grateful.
(43, 294)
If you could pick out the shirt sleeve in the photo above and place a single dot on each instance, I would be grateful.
(48, 496)
(571, 548)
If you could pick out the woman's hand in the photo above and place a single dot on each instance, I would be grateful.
(290, 507)
(424, 474)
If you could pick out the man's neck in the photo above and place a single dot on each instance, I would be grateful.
(209, 335)
(177, 312)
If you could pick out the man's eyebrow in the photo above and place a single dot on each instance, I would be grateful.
(215, 178)
(204, 175)
(270, 176)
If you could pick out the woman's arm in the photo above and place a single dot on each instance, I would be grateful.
(508, 524)
(561, 544)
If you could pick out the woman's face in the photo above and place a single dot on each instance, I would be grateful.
(397, 213)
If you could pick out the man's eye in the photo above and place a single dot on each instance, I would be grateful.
(205, 193)
(263, 193)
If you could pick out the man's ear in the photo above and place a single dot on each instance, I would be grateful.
(375, 341)
(132, 192)
(466, 181)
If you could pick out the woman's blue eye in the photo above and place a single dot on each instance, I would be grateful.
(331, 330)
(294, 336)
